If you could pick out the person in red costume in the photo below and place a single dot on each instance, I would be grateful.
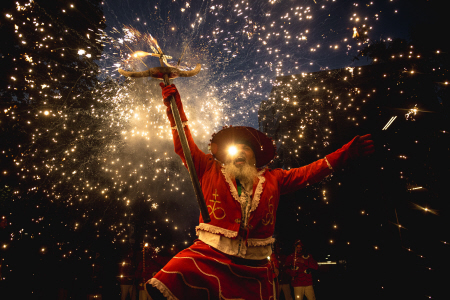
(229, 258)
(299, 265)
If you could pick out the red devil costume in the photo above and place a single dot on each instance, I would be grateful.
(229, 259)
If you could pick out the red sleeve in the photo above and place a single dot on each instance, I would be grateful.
(289, 260)
(297, 178)
(311, 263)
(200, 159)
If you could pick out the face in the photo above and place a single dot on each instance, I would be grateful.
(298, 248)
(242, 154)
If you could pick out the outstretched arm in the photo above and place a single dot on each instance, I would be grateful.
(297, 178)
(359, 146)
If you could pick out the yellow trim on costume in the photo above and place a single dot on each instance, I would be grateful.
(269, 216)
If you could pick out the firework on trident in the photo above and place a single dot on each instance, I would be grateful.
(165, 74)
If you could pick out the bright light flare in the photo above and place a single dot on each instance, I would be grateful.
(425, 209)
(412, 112)
(140, 54)
(232, 150)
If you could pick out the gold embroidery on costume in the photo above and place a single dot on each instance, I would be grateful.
(269, 216)
(214, 208)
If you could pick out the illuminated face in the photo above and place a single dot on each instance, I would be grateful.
(241, 154)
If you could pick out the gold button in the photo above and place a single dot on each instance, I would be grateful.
(237, 221)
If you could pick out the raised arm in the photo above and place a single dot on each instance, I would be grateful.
(200, 159)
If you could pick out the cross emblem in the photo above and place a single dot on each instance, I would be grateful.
(214, 208)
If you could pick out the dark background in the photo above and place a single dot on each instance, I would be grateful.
(61, 129)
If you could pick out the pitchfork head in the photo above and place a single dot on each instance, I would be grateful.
(162, 72)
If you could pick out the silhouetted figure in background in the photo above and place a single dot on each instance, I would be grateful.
(284, 279)
(299, 266)
(127, 276)
(96, 286)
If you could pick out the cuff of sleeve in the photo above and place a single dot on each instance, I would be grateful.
(328, 164)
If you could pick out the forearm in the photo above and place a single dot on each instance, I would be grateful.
(177, 143)
(297, 178)
(200, 159)
(311, 263)
(359, 146)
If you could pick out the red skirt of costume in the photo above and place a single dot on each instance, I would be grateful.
(202, 272)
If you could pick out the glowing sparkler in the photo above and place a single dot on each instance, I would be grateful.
(425, 209)
(411, 113)
(355, 32)
(124, 172)
(134, 35)
(167, 73)
(140, 54)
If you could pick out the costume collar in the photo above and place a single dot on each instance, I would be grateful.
(256, 191)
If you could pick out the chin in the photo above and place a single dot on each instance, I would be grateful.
(243, 171)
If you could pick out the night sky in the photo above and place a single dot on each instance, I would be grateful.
(88, 167)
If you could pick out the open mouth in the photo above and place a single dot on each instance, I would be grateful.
(239, 160)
